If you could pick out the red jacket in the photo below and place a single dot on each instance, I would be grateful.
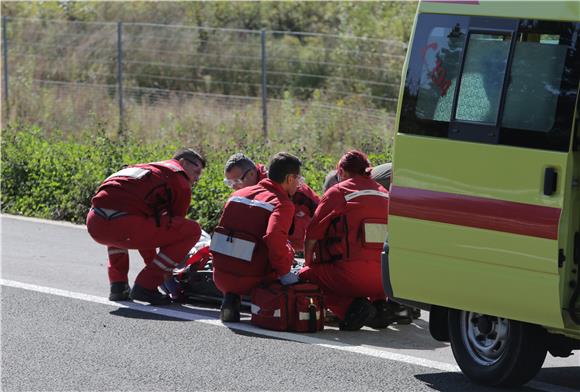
(350, 221)
(151, 189)
(305, 202)
(252, 235)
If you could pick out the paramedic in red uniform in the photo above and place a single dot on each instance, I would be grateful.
(250, 245)
(143, 207)
(240, 172)
(344, 243)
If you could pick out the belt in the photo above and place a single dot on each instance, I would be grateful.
(107, 213)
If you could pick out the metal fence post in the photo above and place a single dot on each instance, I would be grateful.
(264, 88)
(120, 77)
(5, 62)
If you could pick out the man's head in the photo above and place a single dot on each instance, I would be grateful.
(284, 169)
(240, 172)
(192, 162)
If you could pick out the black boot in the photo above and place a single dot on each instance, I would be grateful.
(360, 312)
(119, 291)
(385, 315)
(154, 297)
(230, 310)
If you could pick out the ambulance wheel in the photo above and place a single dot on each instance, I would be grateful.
(496, 351)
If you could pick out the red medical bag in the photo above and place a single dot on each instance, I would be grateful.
(294, 308)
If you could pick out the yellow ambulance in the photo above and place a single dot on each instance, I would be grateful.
(484, 216)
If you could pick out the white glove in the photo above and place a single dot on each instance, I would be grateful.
(289, 278)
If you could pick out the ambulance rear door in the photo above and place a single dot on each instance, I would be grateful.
(478, 218)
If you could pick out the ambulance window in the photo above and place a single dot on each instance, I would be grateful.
(432, 72)
(482, 78)
(539, 102)
(441, 62)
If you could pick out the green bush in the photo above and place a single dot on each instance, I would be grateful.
(54, 177)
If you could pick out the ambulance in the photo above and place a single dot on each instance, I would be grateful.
(484, 216)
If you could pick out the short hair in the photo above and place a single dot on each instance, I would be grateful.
(331, 179)
(281, 165)
(190, 155)
(355, 162)
(239, 160)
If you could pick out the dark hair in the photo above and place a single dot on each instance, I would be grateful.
(355, 162)
(281, 165)
(239, 160)
(190, 155)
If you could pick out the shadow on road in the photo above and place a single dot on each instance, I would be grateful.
(139, 314)
(568, 376)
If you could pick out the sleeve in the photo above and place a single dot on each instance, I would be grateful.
(181, 196)
(313, 198)
(276, 238)
(331, 205)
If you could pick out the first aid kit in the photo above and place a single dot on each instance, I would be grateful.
(295, 308)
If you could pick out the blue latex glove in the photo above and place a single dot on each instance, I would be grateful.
(289, 278)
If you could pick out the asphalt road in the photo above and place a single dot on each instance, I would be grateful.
(59, 332)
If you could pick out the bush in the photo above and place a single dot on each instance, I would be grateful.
(54, 177)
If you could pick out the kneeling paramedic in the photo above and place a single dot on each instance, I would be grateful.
(240, 172)
(250, 245)
(143, 207)
(344, 243)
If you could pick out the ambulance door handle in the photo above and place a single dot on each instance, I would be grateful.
(550, 181)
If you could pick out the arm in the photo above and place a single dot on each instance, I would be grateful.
(309, 252)
(276, 238)
(181, 195)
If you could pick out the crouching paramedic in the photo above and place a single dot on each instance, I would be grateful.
(250, 245)
(240, 172)
(344, 243)
(143, 207)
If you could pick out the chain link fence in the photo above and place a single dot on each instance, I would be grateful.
(173, 80)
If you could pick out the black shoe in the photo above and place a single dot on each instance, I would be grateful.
(119, 291)
(230, 310)
(154, 297)
(404, 314)
(385, 315)
(360, 312)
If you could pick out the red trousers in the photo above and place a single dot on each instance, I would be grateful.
(174, 237)
(242, 285)
(343, 281)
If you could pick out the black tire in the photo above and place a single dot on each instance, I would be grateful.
(503, 353)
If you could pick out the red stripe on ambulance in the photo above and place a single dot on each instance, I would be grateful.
(478, 212)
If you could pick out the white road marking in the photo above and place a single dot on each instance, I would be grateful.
(44, 221)
(183, 315)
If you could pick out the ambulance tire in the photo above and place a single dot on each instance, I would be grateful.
(494, 351)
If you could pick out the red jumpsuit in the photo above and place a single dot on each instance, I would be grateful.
(349, 226)
(250, 244)
(305, 202)
(143, 207)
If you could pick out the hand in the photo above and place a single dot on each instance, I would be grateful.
(289, 278)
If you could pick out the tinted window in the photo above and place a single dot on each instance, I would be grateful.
(532, 108)
(482, 78)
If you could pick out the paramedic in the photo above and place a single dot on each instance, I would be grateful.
(250, 245)
(381, 174)
(344, 243)
(143, 207)
(240, 172)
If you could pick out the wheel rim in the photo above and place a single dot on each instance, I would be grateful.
(485, 337)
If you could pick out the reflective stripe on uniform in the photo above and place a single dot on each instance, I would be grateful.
(169, 165)
(306, 315)
(161, 265)
(366, 192)
(167, 260)
(375, 232)
(231, 246)
(133, 172)
(252, 203)
(116, 251)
